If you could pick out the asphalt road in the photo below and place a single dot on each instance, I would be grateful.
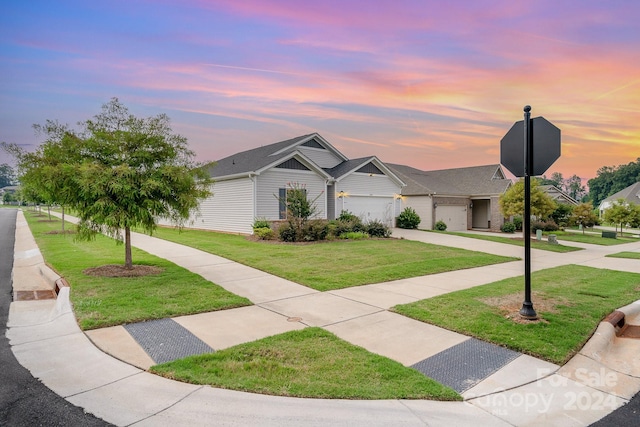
(25, 401)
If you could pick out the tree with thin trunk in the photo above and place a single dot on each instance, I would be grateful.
(133, 172)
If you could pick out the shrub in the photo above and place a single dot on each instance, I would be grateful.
(287, 233)
(354, 235)
(348, 216)
(441, 226)
(408, 218)
(378, 229)
(264, 233)
(261, 223)
(517, 222)
(316, 229)
(544, 226)
(508, 227)
(345, 226)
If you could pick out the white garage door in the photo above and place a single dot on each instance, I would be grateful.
(454, 216)
(370, 208)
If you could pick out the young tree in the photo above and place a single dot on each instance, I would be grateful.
(512, 201)
(620, 212)
(583, 215)
(132, 172)
(7, 176)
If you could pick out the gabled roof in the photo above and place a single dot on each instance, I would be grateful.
(348, 167)
(631, 194)
(470, 181)
(255, 160)
(558, 195)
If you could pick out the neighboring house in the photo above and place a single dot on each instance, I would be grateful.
(11, 189)
(250, 185)
(464, 198)
(558, 195)
(631, 194)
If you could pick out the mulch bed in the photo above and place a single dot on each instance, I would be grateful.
(113, 270)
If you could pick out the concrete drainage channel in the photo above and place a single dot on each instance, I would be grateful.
(40, 294)
(623, 329)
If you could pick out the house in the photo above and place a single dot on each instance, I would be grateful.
(558, 195)
(464, 198)
(631, 194)
(250, 185)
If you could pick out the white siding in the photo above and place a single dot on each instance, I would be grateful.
(270, 181)
(230, 208)
(361, 184)
(322, 158)
(423, 205)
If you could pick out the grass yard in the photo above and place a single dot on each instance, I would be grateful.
(571, 301)
(309, 363)
(594, 239)
(103, 301)
(629, 255)
(337, 264)
(517, 242)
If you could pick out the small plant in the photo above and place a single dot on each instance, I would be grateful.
(517, 222)
(264, 233)
(261, 223)
(287, 233)
(315, 229)
(354, 235)
(347, 216)
(378, 229)
(508, 227)
(408, 218)
(441, 226)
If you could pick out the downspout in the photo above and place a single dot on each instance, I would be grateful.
(254, 196)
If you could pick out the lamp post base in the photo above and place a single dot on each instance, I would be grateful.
(527, 311)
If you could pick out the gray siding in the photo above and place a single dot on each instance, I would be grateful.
(322, 158)
(362, 184)
(230, 209)
(270, 181)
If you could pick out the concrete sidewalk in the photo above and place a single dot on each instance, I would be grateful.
(521, 391)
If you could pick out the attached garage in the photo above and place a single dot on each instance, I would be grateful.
(370, 208)
(455, 216)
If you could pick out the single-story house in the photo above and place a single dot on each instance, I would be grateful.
(631, 194)
(558, 195)
(250, 184)
(464, 198)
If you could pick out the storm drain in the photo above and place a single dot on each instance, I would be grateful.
(165, 340)
(33, 295)
(466, 364)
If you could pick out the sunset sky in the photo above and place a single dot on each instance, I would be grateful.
(430, 84)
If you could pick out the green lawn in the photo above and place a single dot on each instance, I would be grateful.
(630, 255)
(101, 301)
(309, 363)
(594, 239)
(571, 300)
(338, 264)
(517, 242)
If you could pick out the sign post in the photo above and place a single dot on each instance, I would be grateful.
(519, 157)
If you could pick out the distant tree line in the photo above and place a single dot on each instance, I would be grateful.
(611, 179)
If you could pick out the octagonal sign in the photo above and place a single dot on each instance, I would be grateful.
(545, 147)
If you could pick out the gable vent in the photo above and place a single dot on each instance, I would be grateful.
(370, 168)
(313, 144)
(293, 164)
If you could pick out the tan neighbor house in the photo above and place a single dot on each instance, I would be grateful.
(464, 198)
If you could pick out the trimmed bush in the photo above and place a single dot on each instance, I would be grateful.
(348, 216)
(544, 226)
(440, 226)
(408, 218)
(261, 223)
(287, 233)
(517, 222)
(316, 229)
(264, 233)
(508, 227)
(378, 229)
